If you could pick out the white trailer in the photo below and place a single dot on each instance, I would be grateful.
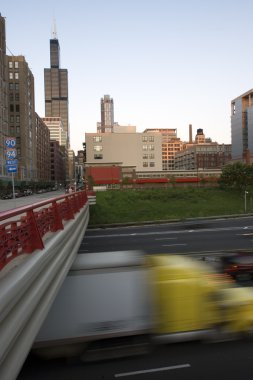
(105, 295)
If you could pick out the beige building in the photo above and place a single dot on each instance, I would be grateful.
(139, 150)
(57, 132)
(171, 144)
(22, 124)
(43, 150)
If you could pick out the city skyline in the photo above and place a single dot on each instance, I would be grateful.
(165, 64)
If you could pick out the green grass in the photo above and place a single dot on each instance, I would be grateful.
(126, 206)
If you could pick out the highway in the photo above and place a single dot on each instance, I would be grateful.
(207, 238)
(232, 360)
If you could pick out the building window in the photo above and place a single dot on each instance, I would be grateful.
(152, 156)
(11, 97)
(152, 164)
(151, 147)
(17, 96)
(151, 139)
(144, 138)
(17, 107)
(98, 156)
(12, 119)
(16, 86)
(144, 147)
(10, 65)
(17, 119)
(10, 75)
(16, 75)
(97, 138)
(18, 130)
(11, 108)
(11, 86)
(16, 65)
(145, 164)
(97, 148)
(12, 131)
(145, 156)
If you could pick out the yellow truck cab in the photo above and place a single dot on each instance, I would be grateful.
(191, 301)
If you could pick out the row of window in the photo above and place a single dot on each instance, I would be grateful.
(17, 118)
(148, 138)
(12, 108)
(151, 164)
(11, 65)
(145, 156)
(11, 96)
(14, 86)
(15, 76)
(148, 147)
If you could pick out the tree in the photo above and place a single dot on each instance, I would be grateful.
(238, 176)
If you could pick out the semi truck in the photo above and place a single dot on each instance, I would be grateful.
(125, 302)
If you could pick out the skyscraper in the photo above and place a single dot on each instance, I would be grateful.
(107, 115)
(56, 87)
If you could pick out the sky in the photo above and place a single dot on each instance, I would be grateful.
(165, 63)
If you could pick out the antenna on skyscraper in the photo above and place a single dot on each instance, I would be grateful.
(54, 32)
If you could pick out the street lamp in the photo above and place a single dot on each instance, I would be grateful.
(245, 201)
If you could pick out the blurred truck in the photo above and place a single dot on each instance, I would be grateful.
(121, 303)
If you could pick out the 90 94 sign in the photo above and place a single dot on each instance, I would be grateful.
(10, 142)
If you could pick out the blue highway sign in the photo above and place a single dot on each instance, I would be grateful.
(12, 168)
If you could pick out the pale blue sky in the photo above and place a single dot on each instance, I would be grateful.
(166, 63)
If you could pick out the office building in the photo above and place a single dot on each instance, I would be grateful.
(56, 88)
(4, 131)
(42, 150)
(242, 127)
(170, 145)
(22, 124)
(141, 151)
(56, 129)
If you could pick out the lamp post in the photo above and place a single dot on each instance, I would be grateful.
(245, 201)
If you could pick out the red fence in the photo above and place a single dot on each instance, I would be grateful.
(28, 224)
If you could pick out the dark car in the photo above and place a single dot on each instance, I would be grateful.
(238, 265)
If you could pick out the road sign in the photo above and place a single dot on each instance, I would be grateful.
(11, 153)
(12, 162)
(10, 142)
(12, 168)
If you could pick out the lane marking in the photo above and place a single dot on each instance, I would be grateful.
(169, 232)
(83, 250)
(152, 370)
(167, 238)
(171, 245)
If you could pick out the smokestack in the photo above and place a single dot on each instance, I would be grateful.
(190, 133)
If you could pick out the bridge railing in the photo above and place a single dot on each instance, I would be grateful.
(22, 229)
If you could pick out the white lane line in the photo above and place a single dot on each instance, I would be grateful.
(152, 370)
(171, 245)
(167, 238)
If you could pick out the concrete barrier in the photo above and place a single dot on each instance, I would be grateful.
(29, 289)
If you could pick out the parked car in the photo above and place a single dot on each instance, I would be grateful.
(238, 265)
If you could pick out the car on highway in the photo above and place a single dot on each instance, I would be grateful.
(238, 265)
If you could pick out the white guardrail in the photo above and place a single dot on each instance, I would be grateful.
(29, 289)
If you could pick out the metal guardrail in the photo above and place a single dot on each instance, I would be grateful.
(23, 228)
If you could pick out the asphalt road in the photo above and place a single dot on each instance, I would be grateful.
(204, 237)
(195, 360)
(232, 360)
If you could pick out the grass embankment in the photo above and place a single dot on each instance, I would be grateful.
(115, 206)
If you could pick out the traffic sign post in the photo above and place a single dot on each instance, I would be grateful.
(11, 161)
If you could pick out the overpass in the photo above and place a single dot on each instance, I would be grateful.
(38, 244)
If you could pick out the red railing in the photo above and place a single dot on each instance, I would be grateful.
(23, 228)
